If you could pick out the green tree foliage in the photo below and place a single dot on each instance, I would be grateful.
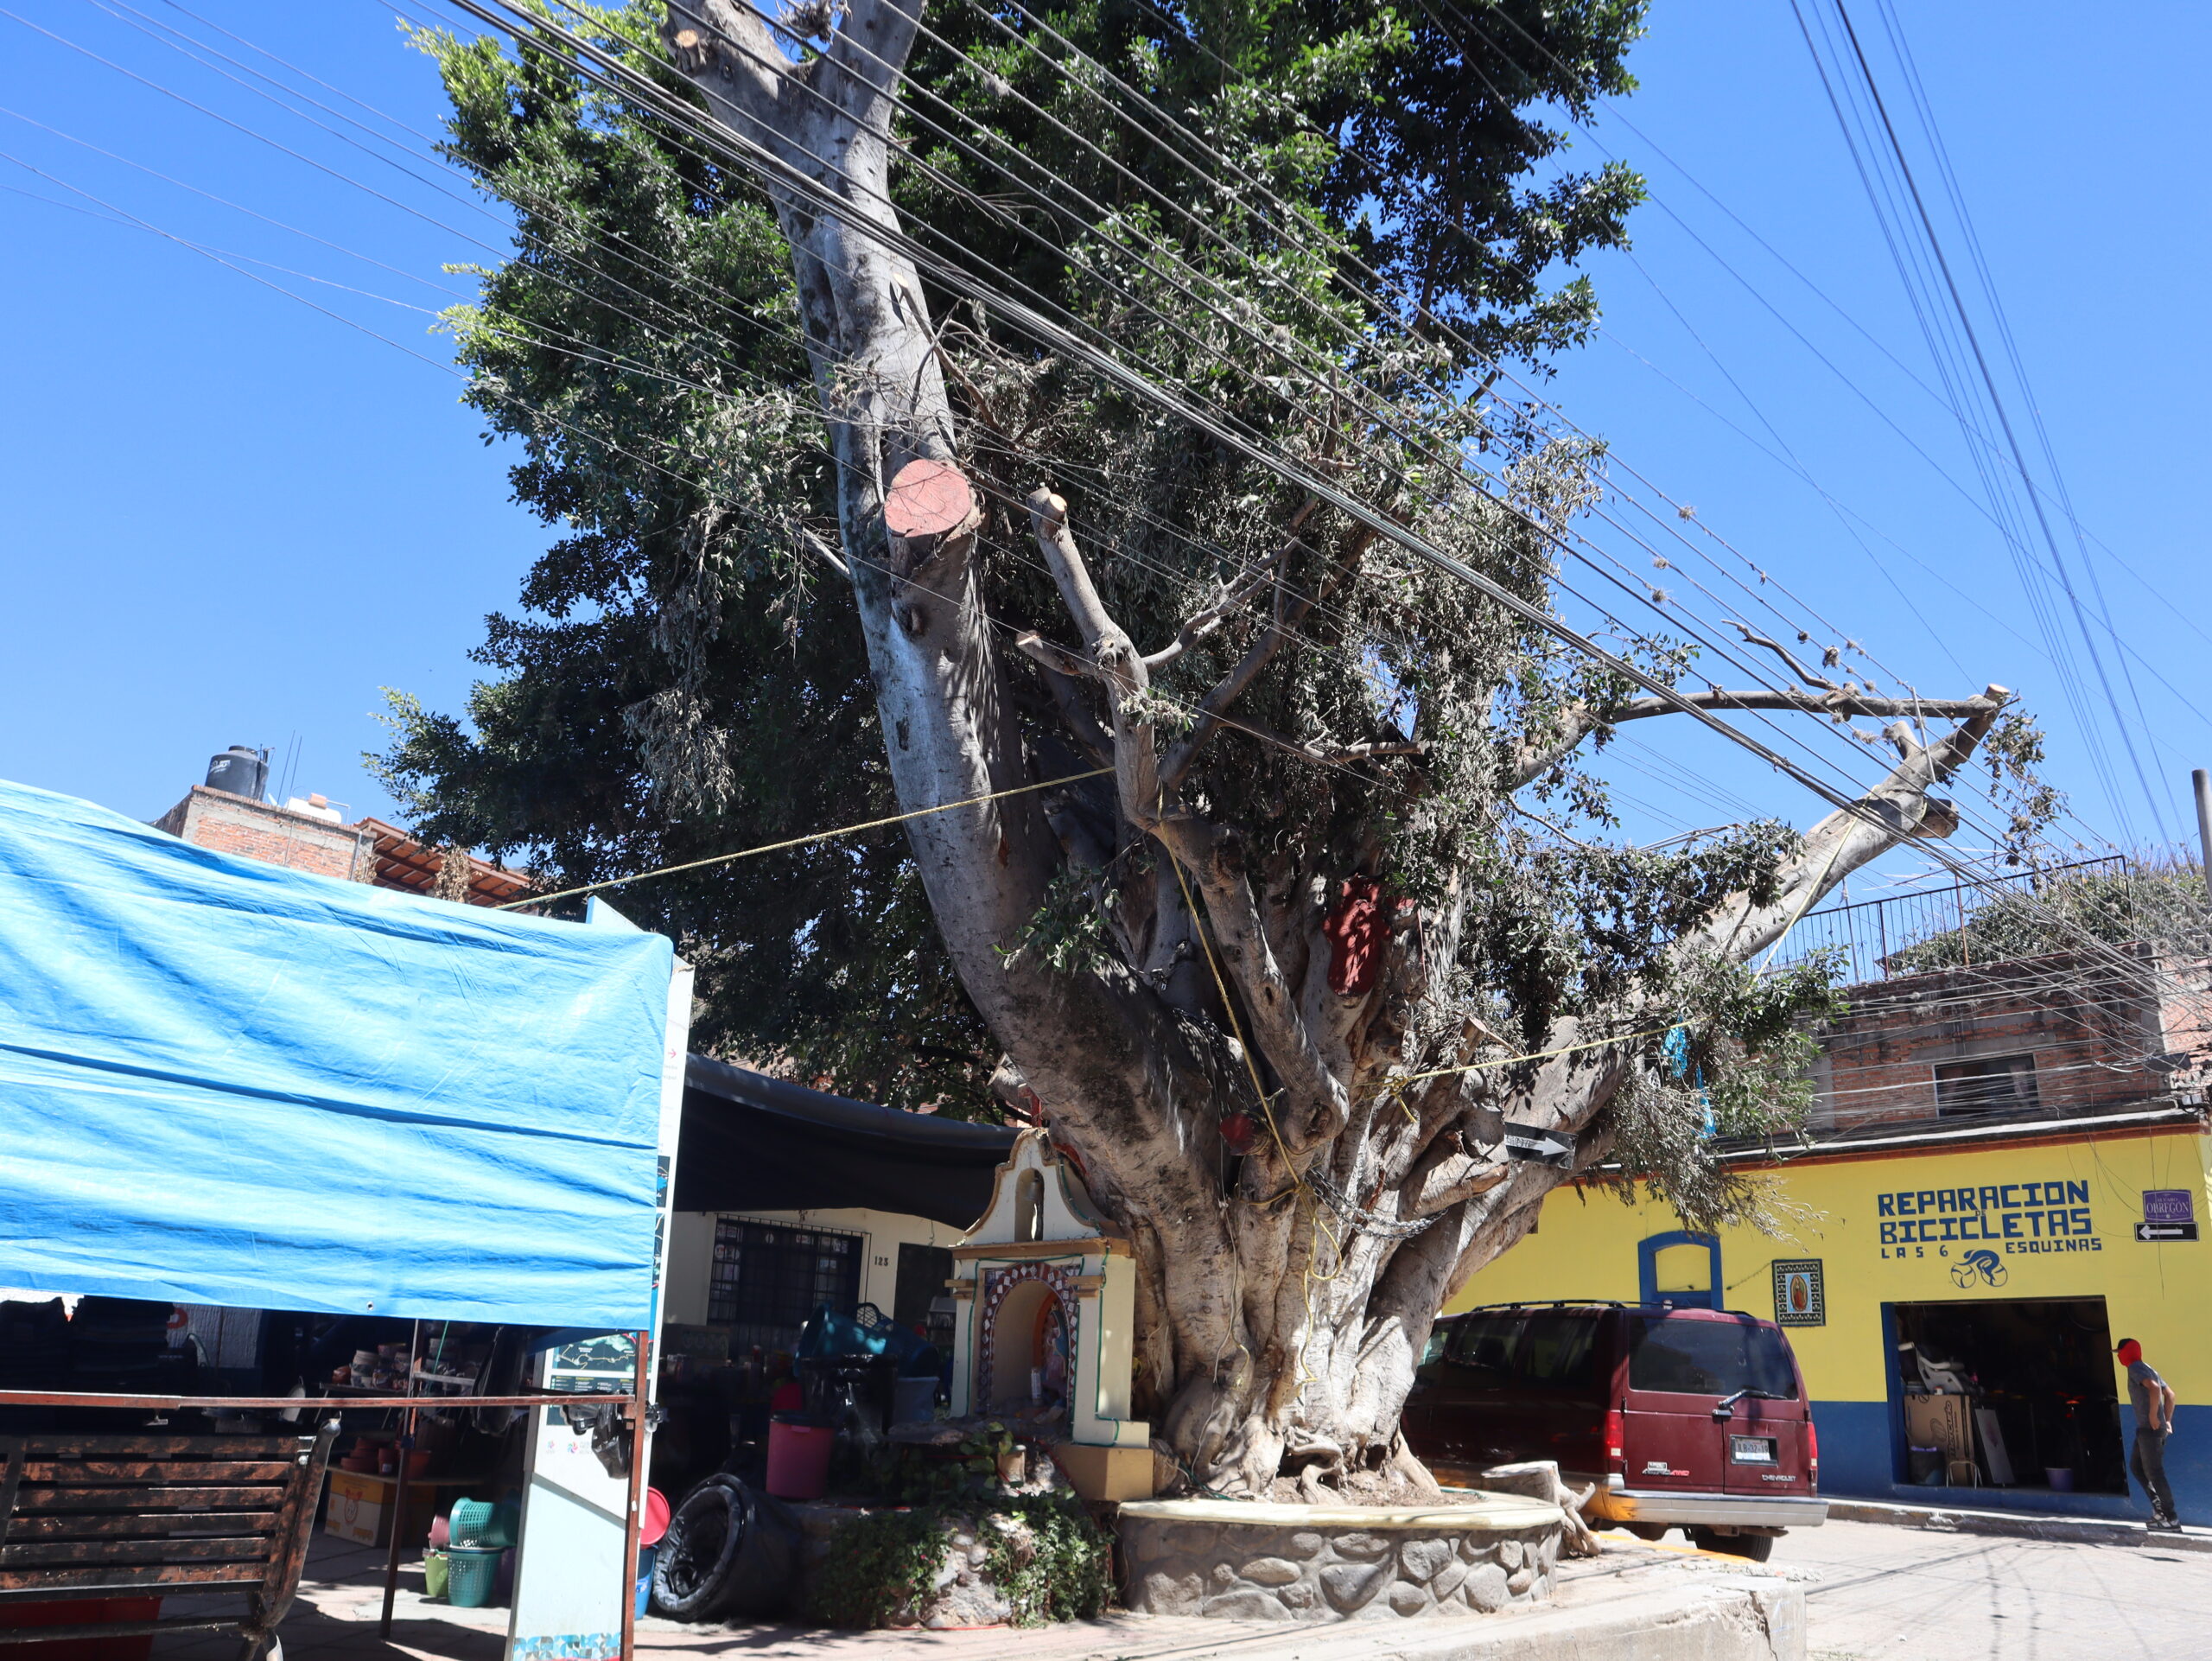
(684, 677)
(2159, 900)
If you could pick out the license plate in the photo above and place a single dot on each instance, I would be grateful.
(1751, 1450)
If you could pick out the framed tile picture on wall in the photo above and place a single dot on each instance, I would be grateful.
(1799, 1298)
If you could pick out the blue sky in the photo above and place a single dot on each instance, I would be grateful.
(232, 519)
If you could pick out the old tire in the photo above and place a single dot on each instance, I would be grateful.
(728, 1553)
(1753, 1547)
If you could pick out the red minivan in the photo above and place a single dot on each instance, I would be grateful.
(1680, 1418)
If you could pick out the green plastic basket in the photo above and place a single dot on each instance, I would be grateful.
(480, 1522)
(435, 1570)
(470, 1573)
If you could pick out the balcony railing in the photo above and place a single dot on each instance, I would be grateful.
(1875, 934)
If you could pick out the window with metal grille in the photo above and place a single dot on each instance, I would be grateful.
(769, 1277)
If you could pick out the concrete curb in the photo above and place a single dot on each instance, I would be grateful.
(2025, 1525)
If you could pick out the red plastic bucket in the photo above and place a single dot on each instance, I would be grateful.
(799, 1458)
(652, 1522)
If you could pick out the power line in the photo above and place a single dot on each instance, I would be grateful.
(1044, 329)
(1724, 728)
(1954, 406)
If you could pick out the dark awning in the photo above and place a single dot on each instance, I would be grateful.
(755, 1144)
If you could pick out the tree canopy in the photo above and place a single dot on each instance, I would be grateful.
(684, 678)
(1103, 437)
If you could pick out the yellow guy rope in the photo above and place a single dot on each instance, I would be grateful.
(1397, 1085)
(800, 842)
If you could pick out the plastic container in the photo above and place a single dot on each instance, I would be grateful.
(481, 1522)
(645, 1556)
(471, 1574)
(798, 1457)
(913, 1400)
(652, 1521)
(469, 1522)
(435, 1566)
(2061, 1478)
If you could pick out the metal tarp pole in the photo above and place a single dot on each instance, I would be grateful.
(399, 1488)
(639, 1417)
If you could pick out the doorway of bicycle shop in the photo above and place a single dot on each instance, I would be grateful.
(2013, 1393)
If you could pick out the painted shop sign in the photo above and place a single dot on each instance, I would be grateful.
(2017, 1218)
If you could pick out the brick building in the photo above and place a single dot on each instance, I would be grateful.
(307, 833)
(2059, 1036)
(307, 837)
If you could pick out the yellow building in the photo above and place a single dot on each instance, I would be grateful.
(2012, 1257)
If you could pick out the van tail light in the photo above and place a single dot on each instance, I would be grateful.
(1813, 1446)
(1616, 1441)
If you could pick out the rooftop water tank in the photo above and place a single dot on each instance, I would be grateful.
(241, 771)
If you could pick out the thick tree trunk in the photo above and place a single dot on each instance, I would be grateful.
(1286, 1288)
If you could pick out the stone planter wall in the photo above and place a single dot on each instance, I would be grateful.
(1305, 1562)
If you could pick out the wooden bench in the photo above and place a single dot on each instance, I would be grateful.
(144, 1516)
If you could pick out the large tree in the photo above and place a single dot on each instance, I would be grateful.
(1183, 329)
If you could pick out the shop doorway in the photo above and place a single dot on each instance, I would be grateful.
(2008, 1392)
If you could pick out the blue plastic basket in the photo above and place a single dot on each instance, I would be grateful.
(471, 1574)
(480, 1522)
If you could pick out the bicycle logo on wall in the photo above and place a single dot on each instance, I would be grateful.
(1984, 1267)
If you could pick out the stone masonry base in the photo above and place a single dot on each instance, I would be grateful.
(1254, 1562)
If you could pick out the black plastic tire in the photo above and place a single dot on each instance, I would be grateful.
(1754, 1548)
(729, 1553)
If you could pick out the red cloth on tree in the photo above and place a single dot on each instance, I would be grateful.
(1358, 932)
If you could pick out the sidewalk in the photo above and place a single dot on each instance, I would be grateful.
(2025, 1525)
(1635, 1603)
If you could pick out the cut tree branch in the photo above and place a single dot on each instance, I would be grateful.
(1899, 809)
(1579, 721)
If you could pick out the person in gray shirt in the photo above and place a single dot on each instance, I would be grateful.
(2153, 1402)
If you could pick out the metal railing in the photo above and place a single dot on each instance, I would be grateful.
(1872, 934)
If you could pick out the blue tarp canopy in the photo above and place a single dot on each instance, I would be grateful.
(226, 1082)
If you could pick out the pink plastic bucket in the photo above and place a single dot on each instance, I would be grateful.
(799, 1458)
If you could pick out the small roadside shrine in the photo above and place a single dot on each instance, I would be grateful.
(225, 1083)
(1045, 1294)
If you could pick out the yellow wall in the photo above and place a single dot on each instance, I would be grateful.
(1585, 1247)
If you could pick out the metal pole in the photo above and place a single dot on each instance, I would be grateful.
(399, 1485)
(2203, 780)
(630, 1531)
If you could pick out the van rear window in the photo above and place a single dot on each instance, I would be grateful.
(1484, 1348)
(1558, 1349)
(1709, 1358)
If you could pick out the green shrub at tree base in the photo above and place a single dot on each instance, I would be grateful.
(1042, 1552)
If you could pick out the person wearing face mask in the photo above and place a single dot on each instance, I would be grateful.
(2153, 1401)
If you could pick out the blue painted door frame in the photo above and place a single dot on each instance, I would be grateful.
(1647, 1269)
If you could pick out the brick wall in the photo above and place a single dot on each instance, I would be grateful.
(2093, 1030)
(237, 825)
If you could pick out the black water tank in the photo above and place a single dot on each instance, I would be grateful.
(240, 771)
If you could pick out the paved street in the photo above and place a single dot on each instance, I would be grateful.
(1873, 1592)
